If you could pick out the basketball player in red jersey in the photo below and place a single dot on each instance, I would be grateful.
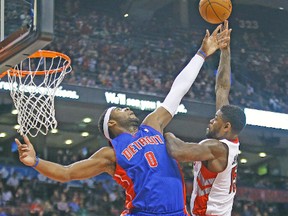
(215, 159)
(137, 158)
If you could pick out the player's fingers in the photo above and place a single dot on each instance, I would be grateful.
(207, 35)
(22, 156)
(18, 142)
(223, 33)
(229, 32)
(224, 40)
(226, 24)
(222, 27)
(26, 139)
(24, 148)
(21, 148)
(223, 45)
(223, 37)
(216, 31)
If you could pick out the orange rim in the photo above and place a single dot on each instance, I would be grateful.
(41, 54)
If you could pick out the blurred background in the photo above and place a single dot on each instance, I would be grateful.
(127, 53)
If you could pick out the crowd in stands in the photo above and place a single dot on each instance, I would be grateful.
(115, 53)
(109, 51)
(17, 15)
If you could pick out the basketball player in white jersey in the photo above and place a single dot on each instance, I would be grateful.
(215, 158)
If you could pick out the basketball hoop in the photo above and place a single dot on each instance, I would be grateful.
(33, 86)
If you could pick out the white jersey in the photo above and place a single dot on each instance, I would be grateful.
(213, 193)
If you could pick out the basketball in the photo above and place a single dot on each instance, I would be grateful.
(215, 11)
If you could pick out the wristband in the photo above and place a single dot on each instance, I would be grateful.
(37, 162)
(202, 53)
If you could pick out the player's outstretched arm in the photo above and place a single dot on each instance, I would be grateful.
(163, 115)
(208, 149)
(101, 161)
(223, 78)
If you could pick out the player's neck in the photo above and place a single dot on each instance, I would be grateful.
(130, 129)
(231, 137)
(133, 129)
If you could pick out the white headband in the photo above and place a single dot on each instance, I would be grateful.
(105, 123)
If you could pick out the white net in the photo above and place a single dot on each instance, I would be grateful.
(33, 85)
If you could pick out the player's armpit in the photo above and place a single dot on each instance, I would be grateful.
(158, 119)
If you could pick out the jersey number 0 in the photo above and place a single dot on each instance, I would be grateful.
(151, 159)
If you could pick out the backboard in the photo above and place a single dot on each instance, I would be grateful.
(25, 27)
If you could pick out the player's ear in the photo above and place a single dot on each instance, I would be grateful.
(227, 126)
(111, 123)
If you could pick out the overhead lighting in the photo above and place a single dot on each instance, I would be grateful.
(262, 154)
(68, 142)
(87, 120)
(16, 127)
(243, 161)
(84, 134)
(281, 8)
(3, 135)
(54, 131)
(14, 112)
(126, 15)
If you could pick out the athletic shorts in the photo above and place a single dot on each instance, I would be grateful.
(141, 213)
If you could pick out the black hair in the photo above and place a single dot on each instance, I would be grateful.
(235, 115)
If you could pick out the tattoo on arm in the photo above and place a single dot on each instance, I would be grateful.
(223, 79)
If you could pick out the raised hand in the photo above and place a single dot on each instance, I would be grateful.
(27, 154)
(228, 31)
(218, 39)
